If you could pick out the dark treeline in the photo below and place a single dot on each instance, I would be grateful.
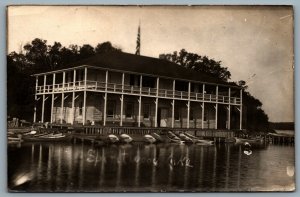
(37, 57)
(254, 118)
(282, 125)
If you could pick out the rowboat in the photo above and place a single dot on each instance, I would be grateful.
(149, 138)
(125, 138)
(250, 140)
(199, 141)
(112, 138)
(174, 138)
(157, 137)
(186, 138)
(47, 138)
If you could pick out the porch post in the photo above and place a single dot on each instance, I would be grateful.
(156, 101)
(52, 100)
(188, 106)
(173, 105)
(202, 116)
(216, 122)
(241, 110)
(84, 98)
(140, 101)
(73, 97)
(105, 98)
(35, 98)
(62, 99)
(229, 108)
(122, 100)
(43, 100)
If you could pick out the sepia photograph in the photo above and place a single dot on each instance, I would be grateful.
(150, 98)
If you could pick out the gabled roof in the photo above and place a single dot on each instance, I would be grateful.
(146, 65)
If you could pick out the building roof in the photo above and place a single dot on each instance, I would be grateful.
(146, 65)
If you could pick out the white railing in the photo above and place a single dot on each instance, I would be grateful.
(135, 90)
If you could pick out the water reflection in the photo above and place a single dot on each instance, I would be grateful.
(163, 167)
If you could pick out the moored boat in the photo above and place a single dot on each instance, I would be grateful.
(125, 138)
(47, 138)
(186, 138)
(149, 138)
(198, 141)
(174, 138)
(112, 138)
(250, 140)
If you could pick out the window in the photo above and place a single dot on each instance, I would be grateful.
(129, 110)
(146, 111)
(177, 113)
(131, 80)
(80, 108)
(111, 108)
(191, 114)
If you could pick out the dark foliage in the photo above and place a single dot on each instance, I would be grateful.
(38, 57)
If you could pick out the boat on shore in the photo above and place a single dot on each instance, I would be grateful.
(198, 141)
(186, 138)
(112, 138)
(150, 139)
(125, 138)
(47, 138)
(174, 138)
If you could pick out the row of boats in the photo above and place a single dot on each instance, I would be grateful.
(168, 137)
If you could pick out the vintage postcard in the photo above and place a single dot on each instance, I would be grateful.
(150, 98)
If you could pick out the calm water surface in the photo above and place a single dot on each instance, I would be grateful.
(164, 167)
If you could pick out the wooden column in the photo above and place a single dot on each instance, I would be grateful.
(122, 100)
(43, 100)
(62, 99)
(216, 123)
(140, 102)
(105, 98)
(52, 100)
(173, 105)
(188, 106)
(73, 96)
(202, 106)
(156, 101)
(84, 97)
(35, 98)
(229, 108)
(241, 110)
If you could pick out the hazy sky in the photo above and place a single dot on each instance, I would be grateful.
(255, 43)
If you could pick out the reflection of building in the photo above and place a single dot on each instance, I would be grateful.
(129, 90)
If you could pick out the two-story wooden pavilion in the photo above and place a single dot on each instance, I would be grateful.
(122, 89)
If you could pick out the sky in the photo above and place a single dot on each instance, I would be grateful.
(254, 42)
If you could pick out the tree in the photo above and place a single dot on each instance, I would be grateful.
(39, 57)
(106, 47)
(86, 51)
(198, 63)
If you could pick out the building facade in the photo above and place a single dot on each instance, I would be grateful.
(121, 89)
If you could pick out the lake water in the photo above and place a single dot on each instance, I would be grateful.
(59, 167)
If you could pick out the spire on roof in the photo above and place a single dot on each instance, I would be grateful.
(138, 41)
